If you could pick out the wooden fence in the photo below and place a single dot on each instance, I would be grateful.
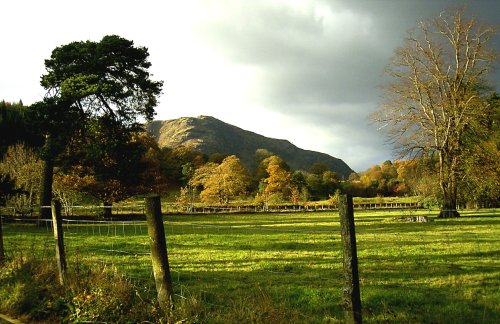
(138, 210)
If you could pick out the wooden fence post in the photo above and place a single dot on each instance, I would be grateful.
(351, 300)
(59, 240)
(159, 256)
(2, 253)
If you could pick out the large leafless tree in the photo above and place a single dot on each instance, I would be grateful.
(436, 93)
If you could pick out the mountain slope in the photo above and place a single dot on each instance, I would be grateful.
(210, 135)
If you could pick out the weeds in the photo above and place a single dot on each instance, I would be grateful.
(28, 290)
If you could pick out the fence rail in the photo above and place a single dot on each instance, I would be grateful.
(97, 211)
(295, 208)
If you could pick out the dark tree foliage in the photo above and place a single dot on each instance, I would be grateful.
(54, 119)
(109, 77)
(89, 82)
(111, 152)
(480, 183)
(15, 126)
(114, 158)
(7, 187)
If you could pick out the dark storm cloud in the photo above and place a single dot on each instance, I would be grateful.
(305, 57)
(322, 62)
(314, 57)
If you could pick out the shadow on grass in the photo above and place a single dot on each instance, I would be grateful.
(417, 304)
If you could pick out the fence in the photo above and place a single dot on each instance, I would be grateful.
(122, 211)
(204, 256)
(296, 208)
(293, 259)
(77, 211)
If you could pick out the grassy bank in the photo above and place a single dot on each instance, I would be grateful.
(288, 267)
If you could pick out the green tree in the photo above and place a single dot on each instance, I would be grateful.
(437, 94)
(174, 160)
(481, 180)
(314, 185)
(319, 168)
(107, 79)
(331, 182)
(299, 179)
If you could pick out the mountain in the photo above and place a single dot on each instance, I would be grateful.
(210, 135)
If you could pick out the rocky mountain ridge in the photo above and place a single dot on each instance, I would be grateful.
(210, 135)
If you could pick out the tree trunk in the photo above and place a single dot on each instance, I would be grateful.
(107, 210)
(46, 188)
(447, 176)
(2, 253)
(449, 209)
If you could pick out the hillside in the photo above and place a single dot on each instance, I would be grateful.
(210, 135)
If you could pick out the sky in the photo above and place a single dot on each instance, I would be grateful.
(306, 71)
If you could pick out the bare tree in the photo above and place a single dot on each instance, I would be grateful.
(437, 93)
(23, 166)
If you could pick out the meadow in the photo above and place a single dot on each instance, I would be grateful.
(287, 267)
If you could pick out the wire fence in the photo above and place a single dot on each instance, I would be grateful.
(215, 262)
(295, 258)
(118, 211)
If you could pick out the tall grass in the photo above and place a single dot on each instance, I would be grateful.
(282, 268)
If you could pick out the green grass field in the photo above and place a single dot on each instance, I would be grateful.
(287, 267)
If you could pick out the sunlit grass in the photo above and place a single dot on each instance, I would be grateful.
(441, 271)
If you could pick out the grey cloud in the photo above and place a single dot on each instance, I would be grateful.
(325, 68)
(300, 59)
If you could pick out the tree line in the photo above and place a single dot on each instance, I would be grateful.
(110, 169)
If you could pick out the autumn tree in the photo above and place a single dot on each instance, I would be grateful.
(151, 176)
(418, 177)
(279, 185)
(201, 175)
(261, 160)
(437, 92)
(92, 80)
(222, 182)
(70, 186)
